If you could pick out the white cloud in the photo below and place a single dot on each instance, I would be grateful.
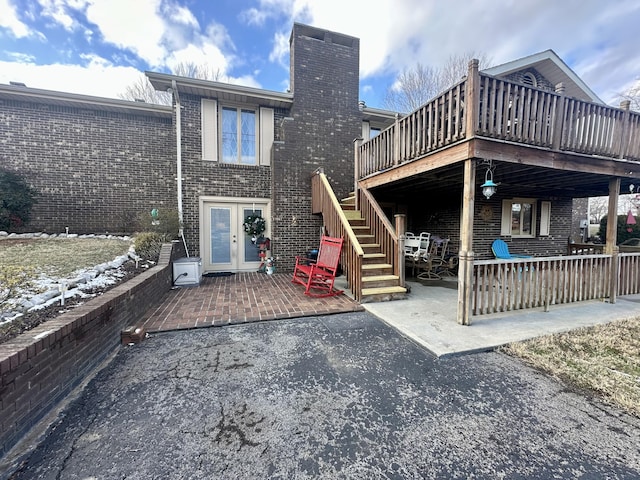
(97, 78)
(124, 30)
(280, 51)
(56, 9)
(9, 20)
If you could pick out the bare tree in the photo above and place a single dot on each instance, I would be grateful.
(598, 208)
(418, 84)
(633, 95)
(143, 91)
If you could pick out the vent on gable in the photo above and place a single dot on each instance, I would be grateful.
(529, 79)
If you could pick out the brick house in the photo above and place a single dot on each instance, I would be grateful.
(222, 152)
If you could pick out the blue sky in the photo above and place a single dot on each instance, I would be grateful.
(98, 47)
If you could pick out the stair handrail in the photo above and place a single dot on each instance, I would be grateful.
(325, 201)
(380, 226)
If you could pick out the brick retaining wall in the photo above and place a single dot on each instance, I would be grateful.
(39, 368)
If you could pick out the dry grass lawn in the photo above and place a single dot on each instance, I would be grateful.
(604, 359)
(60, 257)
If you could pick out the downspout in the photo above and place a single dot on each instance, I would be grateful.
(174, 87)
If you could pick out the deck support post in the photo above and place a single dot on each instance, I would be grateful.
(465, 266)
(610, 247)
(472, 98)
(401, 229)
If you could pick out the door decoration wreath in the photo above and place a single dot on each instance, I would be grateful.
(254, 225)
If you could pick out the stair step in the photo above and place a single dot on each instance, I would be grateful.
(349, 200)
(374, 266)
(364, 236)
(373, 256)
(382, 294)
(379, 278)
(355, 228)
(353, 214)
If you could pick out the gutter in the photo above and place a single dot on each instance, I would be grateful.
(176, 96)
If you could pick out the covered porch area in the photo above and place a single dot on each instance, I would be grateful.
(540, 150)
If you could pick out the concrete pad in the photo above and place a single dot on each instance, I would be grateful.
(428, 317)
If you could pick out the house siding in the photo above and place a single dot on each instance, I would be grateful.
(95, 171)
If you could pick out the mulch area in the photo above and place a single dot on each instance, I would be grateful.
(240, 298)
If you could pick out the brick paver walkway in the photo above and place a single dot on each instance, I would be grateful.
(240, 298)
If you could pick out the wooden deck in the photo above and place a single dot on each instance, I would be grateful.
(507, 112)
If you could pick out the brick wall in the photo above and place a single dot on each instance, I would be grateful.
(325, 83)
(39, 368)
(442, 218)
(95, 170)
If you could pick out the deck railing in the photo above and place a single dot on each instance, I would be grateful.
(507, 111)
(628, 273)
(324, 201)
(438, 123)
(380, 227)
(505, 285)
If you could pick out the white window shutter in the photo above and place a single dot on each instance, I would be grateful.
(366, 131)
(209, 129)
(266, 135)
(545, 218)
(505, 224)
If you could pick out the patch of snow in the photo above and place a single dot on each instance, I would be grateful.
(52, 289)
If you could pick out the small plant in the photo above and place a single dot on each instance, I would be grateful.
(13, 280)
(164, 222)
(148, 245)
(16, 200)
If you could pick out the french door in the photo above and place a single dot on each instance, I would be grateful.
(225, 245)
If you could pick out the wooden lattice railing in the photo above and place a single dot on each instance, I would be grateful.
(507, 111)
(324, 201)
(628, 273)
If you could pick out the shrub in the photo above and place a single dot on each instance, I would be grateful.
(148, 245)
(623, 229)
(16, 200)
(166, 223)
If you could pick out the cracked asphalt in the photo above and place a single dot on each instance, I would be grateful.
(336, 397)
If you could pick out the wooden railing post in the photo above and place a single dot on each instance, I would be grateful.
(396, 140)
(624, 131)
(558, 122)
(465, 266)
(356, 169)
(472, 99)
(401, 229)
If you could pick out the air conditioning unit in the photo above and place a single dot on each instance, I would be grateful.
(187, 271)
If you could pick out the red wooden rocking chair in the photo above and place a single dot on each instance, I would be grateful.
(318, 275)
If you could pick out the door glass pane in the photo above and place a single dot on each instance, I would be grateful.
(220, 235)
(248, 137)
(229, 135)
(527, 210)
(515, 218)
(251, 252)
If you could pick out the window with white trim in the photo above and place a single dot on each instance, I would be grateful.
(241, 135)
(519, 217)
(238, 135)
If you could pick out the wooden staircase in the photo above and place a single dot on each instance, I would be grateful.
(378, 281)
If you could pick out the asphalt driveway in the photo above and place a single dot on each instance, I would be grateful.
(340, 396)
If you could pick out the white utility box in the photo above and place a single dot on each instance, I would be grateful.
(187, 271)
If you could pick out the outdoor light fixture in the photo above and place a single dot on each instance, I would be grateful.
(489, 187)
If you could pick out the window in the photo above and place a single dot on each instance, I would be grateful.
(238, 136)
(519, 217)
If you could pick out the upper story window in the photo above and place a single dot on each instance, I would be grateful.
(238, 135)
